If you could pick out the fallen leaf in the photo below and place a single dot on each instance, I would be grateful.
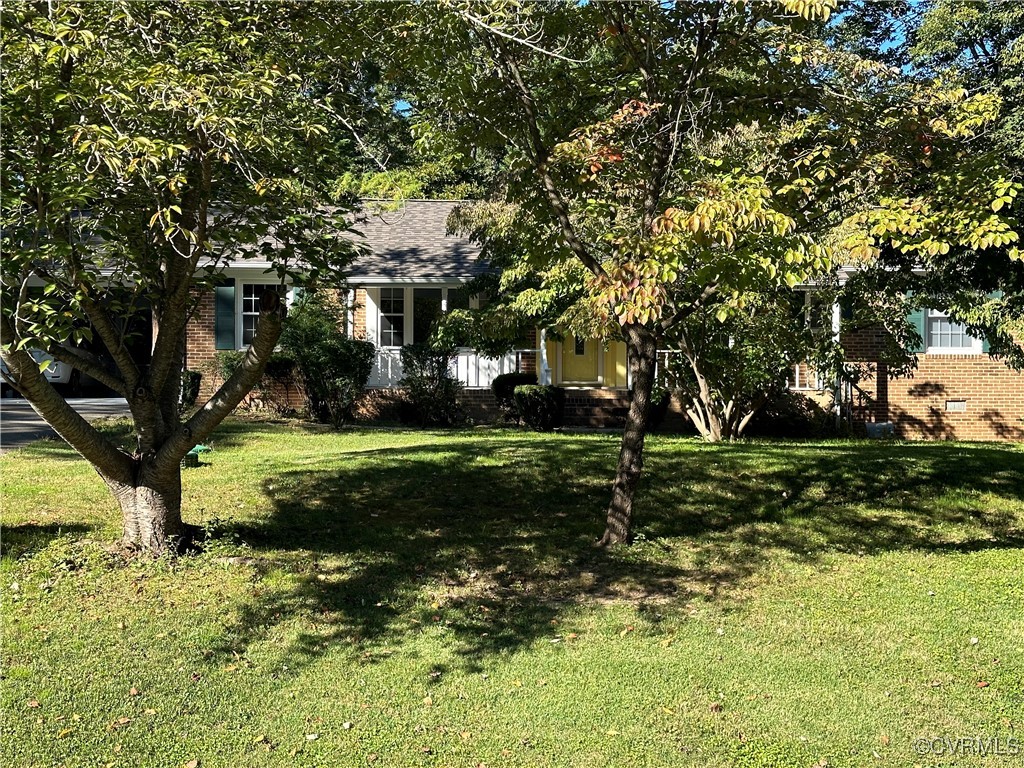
(612, 732)
(312, 736)
(885, 739)
(65, 732)
(668, 710)
(982, 684)
(133, 691)
(192, 764)
(465, 735)
(428, 701)
(260, 739)
(149, 712)
(346, 725)
(716, 707)
(33, 704)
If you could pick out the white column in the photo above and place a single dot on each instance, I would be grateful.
(544, 370)
(837, 323)
(352, 313)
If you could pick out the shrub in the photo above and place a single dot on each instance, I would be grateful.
(661, 400)
(504, 387)
(541, 407)
(271, 392)
(792, 415)
(432, 389)
(190, 381)
(334, 368)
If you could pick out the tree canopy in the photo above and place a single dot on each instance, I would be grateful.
(147, 146)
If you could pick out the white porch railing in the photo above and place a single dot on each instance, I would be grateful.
(469, 367)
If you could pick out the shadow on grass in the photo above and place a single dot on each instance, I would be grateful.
(491, 539)
(27, 538)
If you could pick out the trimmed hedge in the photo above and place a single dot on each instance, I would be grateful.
(541, 407)
(432, 389)
(334, 368)
(504, 387)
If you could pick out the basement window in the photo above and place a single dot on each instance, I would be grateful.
(956, 406)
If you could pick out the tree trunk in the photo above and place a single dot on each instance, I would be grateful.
(151, 509)
(642, 349)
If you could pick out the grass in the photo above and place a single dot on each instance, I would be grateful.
(416, 598)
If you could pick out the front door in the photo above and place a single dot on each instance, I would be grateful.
(579, 360)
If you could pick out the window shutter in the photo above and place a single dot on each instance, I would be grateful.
(917, 319)
(224, 315)
(297, 291)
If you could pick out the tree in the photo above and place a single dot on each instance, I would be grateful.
(146, 147)
(684, 156)
(972, 270)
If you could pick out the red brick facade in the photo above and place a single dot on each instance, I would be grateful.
(948, 397)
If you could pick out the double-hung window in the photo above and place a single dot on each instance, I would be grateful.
(945, 335)
(392, 317)
(251, 295)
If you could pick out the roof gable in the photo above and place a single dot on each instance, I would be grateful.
(412, 244)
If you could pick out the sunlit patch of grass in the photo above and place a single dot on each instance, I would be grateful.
(402, 598)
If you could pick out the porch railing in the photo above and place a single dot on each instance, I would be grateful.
(470, 367)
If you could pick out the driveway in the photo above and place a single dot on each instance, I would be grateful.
(19, 424)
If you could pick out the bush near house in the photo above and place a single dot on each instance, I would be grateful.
(432, 389)
(333, 368)
(272, 392)
(541, 407)
(504, 387)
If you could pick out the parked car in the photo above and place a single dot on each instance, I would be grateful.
(64, 377)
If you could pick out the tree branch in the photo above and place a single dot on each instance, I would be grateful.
(111, 462)
(231, 392)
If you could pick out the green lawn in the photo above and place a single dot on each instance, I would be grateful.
(410, 598)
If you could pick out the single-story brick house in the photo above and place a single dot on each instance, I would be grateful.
(414, 269)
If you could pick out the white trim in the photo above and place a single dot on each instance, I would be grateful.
(351, 315)
(289, 299)
(367, 281)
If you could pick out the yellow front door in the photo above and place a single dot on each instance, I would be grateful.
(579, 360)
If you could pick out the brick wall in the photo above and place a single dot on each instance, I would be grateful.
(200, 346)
(359, 316)
(948, 397)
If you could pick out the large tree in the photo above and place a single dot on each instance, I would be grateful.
(672, 158)
(146, 147)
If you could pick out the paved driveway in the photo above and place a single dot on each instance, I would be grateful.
(19, 424)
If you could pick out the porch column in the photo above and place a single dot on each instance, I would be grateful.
(543, 369)
(351, 319)
(837, 322)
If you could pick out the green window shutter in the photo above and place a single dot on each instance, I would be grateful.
(224, 315)
(297, 292)
(917, 319)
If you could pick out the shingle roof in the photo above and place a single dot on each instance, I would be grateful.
(412, 243)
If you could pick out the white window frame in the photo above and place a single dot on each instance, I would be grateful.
(975, 347)
(406, 315)
(240, 283)
(409, 307)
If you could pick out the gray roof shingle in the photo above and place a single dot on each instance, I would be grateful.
(412, 243)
